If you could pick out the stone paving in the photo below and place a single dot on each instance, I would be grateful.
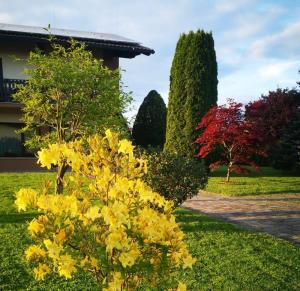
(278, 214)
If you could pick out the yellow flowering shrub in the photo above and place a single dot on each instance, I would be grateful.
(107, 222)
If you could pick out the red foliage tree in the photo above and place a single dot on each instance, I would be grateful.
(272, 112)
(239, 140)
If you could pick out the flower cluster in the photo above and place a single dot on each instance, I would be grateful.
(107, 222)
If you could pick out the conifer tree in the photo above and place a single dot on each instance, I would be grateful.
(175, 115)
(193, 90)
(149, 128)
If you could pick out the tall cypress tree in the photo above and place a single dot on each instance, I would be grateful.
(175, 115)
(149, 127)
(196, 92)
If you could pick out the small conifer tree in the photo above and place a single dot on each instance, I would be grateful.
(149, 128)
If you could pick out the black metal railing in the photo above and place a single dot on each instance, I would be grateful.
(8, 88)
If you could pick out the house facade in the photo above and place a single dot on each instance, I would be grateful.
(18, 41)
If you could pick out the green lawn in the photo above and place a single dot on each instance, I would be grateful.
(228, 257)
(267, 181)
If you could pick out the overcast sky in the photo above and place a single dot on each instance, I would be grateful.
(257, 42)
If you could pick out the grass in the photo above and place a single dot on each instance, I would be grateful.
(267, 181)
(228, 257)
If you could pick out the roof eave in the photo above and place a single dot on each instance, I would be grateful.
(127, 50)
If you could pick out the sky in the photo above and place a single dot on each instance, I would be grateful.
(257, 42)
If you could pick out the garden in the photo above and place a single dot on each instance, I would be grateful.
(228, 257)
(105, 212)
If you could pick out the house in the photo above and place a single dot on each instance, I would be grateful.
(19, 40)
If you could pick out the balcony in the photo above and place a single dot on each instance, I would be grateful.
(8, 88)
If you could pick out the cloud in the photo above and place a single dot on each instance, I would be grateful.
(6, 17)
(226, 6)
(256, 78)
(277, 69)
(246, 25)
(284, 43)
(256, 48)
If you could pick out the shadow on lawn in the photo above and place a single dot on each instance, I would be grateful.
(16, 217)
(196, 222)
(263, 172)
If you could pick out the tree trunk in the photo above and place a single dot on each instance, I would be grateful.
(228, 175)
(61, 170)
(228, 172)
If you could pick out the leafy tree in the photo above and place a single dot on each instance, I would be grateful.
(272, 112)
(149, 127)
(69, 94)
(106, 222)
(286, 155)
(193, 90)
(239, 140)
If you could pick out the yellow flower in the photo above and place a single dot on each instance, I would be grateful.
(53, 248)
(34, 253)
(41, 271)
(25, 197)
(105, 205)
(129, 258)
(60, 237)
(49, 156)
(70, 204)
(112, 138)
(125, 147)
(188, 261)
(116, 240)
(35, 227)
(116, 283)
(66, 266)
(181, 287)
(89, 261)
(93, 213)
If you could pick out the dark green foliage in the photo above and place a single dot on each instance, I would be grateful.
(287, 153)
(175, 177)
(193, 90)
(149, 127)
(177, 97)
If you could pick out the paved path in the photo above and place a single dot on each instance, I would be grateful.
(278, 214)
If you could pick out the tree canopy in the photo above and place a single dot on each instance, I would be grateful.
(239, 140)
(68, 95)
(277, 116)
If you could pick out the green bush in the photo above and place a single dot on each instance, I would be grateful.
(175, 177)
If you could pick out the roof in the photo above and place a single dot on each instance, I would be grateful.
(125, 46)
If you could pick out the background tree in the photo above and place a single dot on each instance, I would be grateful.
(69, 94)
(286, 155)
(149, 127)
(193, 90)
(239, 140)
(273, 114)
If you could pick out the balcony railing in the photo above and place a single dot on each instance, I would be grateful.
(8, 88)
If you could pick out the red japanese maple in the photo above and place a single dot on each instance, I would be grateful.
(226, 127)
